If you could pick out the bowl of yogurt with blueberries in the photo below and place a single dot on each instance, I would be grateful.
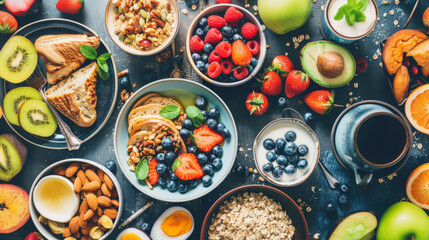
(286, 151)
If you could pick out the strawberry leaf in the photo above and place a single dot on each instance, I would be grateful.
(176, 164)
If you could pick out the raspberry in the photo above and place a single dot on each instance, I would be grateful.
(241, 73)
(213, 36)
(233, 15)
(196, 44)
(214, 57)
(223, 1)
(249, 30)
(214, 69)
(362, 65)
(224, 49)
(216, 21)
(227, 66)
(253, 47)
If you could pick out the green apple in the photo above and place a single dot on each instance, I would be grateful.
(282, 16)
(403, 221)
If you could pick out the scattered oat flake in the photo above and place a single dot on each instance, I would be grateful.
(250, 169)
(286, 53)
(322, 7)
(314, 1)
(390, 177)
(299, 200)
(184, 11)
(307, 37)
(287, 44)
(316, 236)
(296, 45)
(356, 85)
(347, 105)
(246, 5)
(308, 209)
(263, 27)
(385, 2)
(419, 146)
(268, 46)
(380, 64)
(395, 174)
(255, 7)
(313, 188)
(380, 180)
(385, 14)
(261, 179)
(350, 94)
(255, 13)
(241, 149)
(194, 7)
(396, 2)
(375, 57)
(395, 22)
(134, 85)
(391, 12)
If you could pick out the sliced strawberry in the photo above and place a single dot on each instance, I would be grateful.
(153, 175)
(186, 167)
(206, 139)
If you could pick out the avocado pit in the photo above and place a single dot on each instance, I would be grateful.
(330, 64)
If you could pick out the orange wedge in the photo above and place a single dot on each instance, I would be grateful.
(418, 186)
(417, 109)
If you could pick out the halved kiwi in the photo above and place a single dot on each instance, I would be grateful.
(15, 98)
(18, 59)
(36, 118)
(12, 156)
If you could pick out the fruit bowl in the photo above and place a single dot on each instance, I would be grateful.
(184, 91)
(220, 9)
(52, 170)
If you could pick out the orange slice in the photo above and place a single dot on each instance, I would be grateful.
(417, 109)
(418, 186)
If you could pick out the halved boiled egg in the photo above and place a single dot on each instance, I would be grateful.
(132, 234)
(176, 223)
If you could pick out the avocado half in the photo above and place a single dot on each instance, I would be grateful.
(328, 64)
(355, 226)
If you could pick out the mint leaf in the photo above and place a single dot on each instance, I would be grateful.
(142, 169)
(352, 11)
(341, 12)
(195, 115)
(88, 51)
(104, 56)
(360, 17)
(351, 3)
(363, 7)
(170, 111)
(103, 65)
(176, 164)
(350, 17)
(103, 75)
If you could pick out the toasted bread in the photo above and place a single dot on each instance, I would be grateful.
(163, 101)
(143, 99)
(75, 97)
(149, 109)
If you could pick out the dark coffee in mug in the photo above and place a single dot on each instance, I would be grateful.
(381, 139)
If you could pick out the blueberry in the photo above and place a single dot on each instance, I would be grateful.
(161, 168)
(162, 181)
(220, 127)
(217, 164)
(202, 158)
(302, 164)
(271, 156)
(200, 65)
(225, 133)
(145, 227)
(160, 157)
(201, 102)
(204, 112)
(277, 171)
(281, 102)
(278, 151)
(249, 69)
(204, 58)
(172, 186)
(206, 66)
(196, 57)
(269, 144)
(290, 169)
(192, 149)
(170, 157)
(208, 169)
(111, 165)
(193, 183)
(173, 177)
(237, 37)
(167, 143)
(207, 181)
(290, 136)
(213, 113)
(212, 157)
(344, 188)
(302, 150)
(293, 159)
(184, 133)
(290, 148)
(281, 160)
(218, 151)
(187, 123)
(183, 188)
(125, 82)
(202, 22)
(199, 32)
(342, 199)
(308, 117)
(254, 62)
(208, 48)
(267, 167)
(331, 208)
(149, 76)
(239, 169)
(212, 123)
(227, 31)
(146, 216)
(206, 29)
(280, 143)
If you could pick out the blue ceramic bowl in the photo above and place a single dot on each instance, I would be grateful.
(184, 91)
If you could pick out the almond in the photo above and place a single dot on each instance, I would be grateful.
(92, 176)
(104, 201)
(67, 232)
(105, 190)
(99, 192)
(83, 206)
(100, 175)
(115, 203)
(60, 170)
(82, 176)
(82, 223)
(86, 237)
(108, 182)
(111, 213)
(85, 231)
(72, 169)
(99, 212)
(91, 186)
(114, 194)
(88, 215)
(94, 219)
(74, 224)
(96, 232)
(105, 222)
(91, 199)
(77, 185)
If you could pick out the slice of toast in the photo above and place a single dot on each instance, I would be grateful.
(75, 97)
(149, 109)
(143, 99)
(163, 101)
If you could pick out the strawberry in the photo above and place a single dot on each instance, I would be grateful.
(8, 23)
(241, 73)
(33, 236)
(215, 21)
(283, 65)
(70, 6)
(320, 101)
(256, 103)
(213, 36)
(196, 44)
(249, 30)
(271, 84)
(186, 167)
(206, 139)
(223, 1)
(21, 7)
(426, 18)
(253, 47)
(241, 54)
(214, 69)
(153, 175)
(224, 49)
(296, 83)
(233, 15)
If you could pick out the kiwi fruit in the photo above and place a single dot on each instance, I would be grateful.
(15, 98)
(36, 118)
(18, 59)
(12, 156)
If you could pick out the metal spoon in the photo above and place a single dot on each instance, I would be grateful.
(332, 181)
(176, 73)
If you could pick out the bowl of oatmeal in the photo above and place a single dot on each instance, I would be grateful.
(142, 27)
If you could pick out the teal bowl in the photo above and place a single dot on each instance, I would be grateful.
(185, 91)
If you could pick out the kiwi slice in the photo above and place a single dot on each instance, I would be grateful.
(12, 156)
(36, 118)
(18, 59)
(15, 98)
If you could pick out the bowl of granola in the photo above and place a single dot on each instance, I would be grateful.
(142, 27)
(268, 213)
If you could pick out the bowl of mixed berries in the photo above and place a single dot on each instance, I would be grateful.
(225, 45)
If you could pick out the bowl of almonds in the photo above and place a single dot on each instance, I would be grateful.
(99, 202)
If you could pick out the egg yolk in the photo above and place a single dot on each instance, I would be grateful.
(177, 224)
(130, 236)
